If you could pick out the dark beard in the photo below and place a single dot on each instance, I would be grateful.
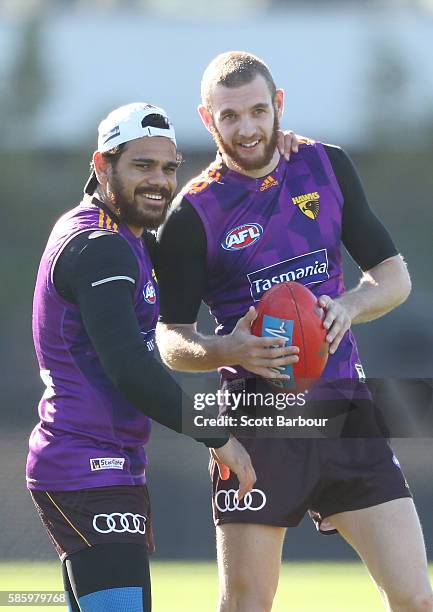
(228, 151)
(129, 211)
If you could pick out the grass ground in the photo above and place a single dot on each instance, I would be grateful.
(192, 587)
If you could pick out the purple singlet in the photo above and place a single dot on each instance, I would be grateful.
(88, 434)
(282, 227)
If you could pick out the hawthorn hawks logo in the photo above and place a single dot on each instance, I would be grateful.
(149, 293)
(309, 204)
(242, 237)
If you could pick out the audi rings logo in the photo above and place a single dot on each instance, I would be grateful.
(116, 522)
(227, 501)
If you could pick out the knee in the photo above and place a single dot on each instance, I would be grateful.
(417, 602)
(246, 596)
(423, 602)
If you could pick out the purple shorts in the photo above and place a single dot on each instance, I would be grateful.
(319, 476)
(80, 519)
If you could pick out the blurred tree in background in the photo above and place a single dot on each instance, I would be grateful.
(26, 87)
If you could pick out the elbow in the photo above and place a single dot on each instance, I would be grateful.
(167, 347)
(169, 359)
(121, 378)
(405, 284)
(402, 283)
(405, 288)
(173, 359)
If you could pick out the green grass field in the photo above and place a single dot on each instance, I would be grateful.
(192, 587)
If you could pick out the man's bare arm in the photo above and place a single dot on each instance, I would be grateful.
(381, 289)
(183, 348)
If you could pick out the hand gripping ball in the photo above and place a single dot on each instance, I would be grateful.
(290, 310)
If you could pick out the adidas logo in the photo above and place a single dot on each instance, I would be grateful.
(269, 181)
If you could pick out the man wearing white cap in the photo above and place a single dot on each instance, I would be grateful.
(94, 316)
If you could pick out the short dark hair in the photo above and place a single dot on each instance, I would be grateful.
(233, 69)
(113, 155)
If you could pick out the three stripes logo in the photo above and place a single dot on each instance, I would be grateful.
(268, 182)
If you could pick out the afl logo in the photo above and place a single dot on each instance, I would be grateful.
(149, 293)
(242, 236)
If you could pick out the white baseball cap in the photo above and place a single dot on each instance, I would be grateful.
(128, 123)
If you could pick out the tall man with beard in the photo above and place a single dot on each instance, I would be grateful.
(94, 316)
(301, 211)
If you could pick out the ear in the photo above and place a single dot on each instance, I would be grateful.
(279, 102)
(206, 117)
(101, 167)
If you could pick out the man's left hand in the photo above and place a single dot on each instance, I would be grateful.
(287, 143)
(337, 320)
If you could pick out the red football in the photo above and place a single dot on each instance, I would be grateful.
(289, 310)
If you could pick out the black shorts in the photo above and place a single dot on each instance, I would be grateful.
(322, 476)
(81, 519)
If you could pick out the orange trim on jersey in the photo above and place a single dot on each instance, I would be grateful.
(106, 222)
(205, 179)
(66, 518)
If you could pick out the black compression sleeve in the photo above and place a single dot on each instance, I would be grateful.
(105, 253)
(109, 318)
(363, 234)
(182, 265)
(117, 565)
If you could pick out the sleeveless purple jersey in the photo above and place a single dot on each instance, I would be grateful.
(260, 232)
(88, 434)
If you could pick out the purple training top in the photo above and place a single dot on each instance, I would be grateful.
(260, 232)
(88, 434)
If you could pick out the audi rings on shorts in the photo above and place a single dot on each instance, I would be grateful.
(227, 501)
(118, 522)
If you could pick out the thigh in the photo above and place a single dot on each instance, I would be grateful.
(389, 540)
(249, 558)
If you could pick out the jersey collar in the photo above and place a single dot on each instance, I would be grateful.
(232, 175)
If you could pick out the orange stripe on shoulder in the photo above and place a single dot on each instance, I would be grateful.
(204, 180)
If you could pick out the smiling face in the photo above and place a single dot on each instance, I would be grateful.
(243, 121)
(140, 186)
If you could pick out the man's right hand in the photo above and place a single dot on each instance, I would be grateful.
(261, 356)
(233, 456)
